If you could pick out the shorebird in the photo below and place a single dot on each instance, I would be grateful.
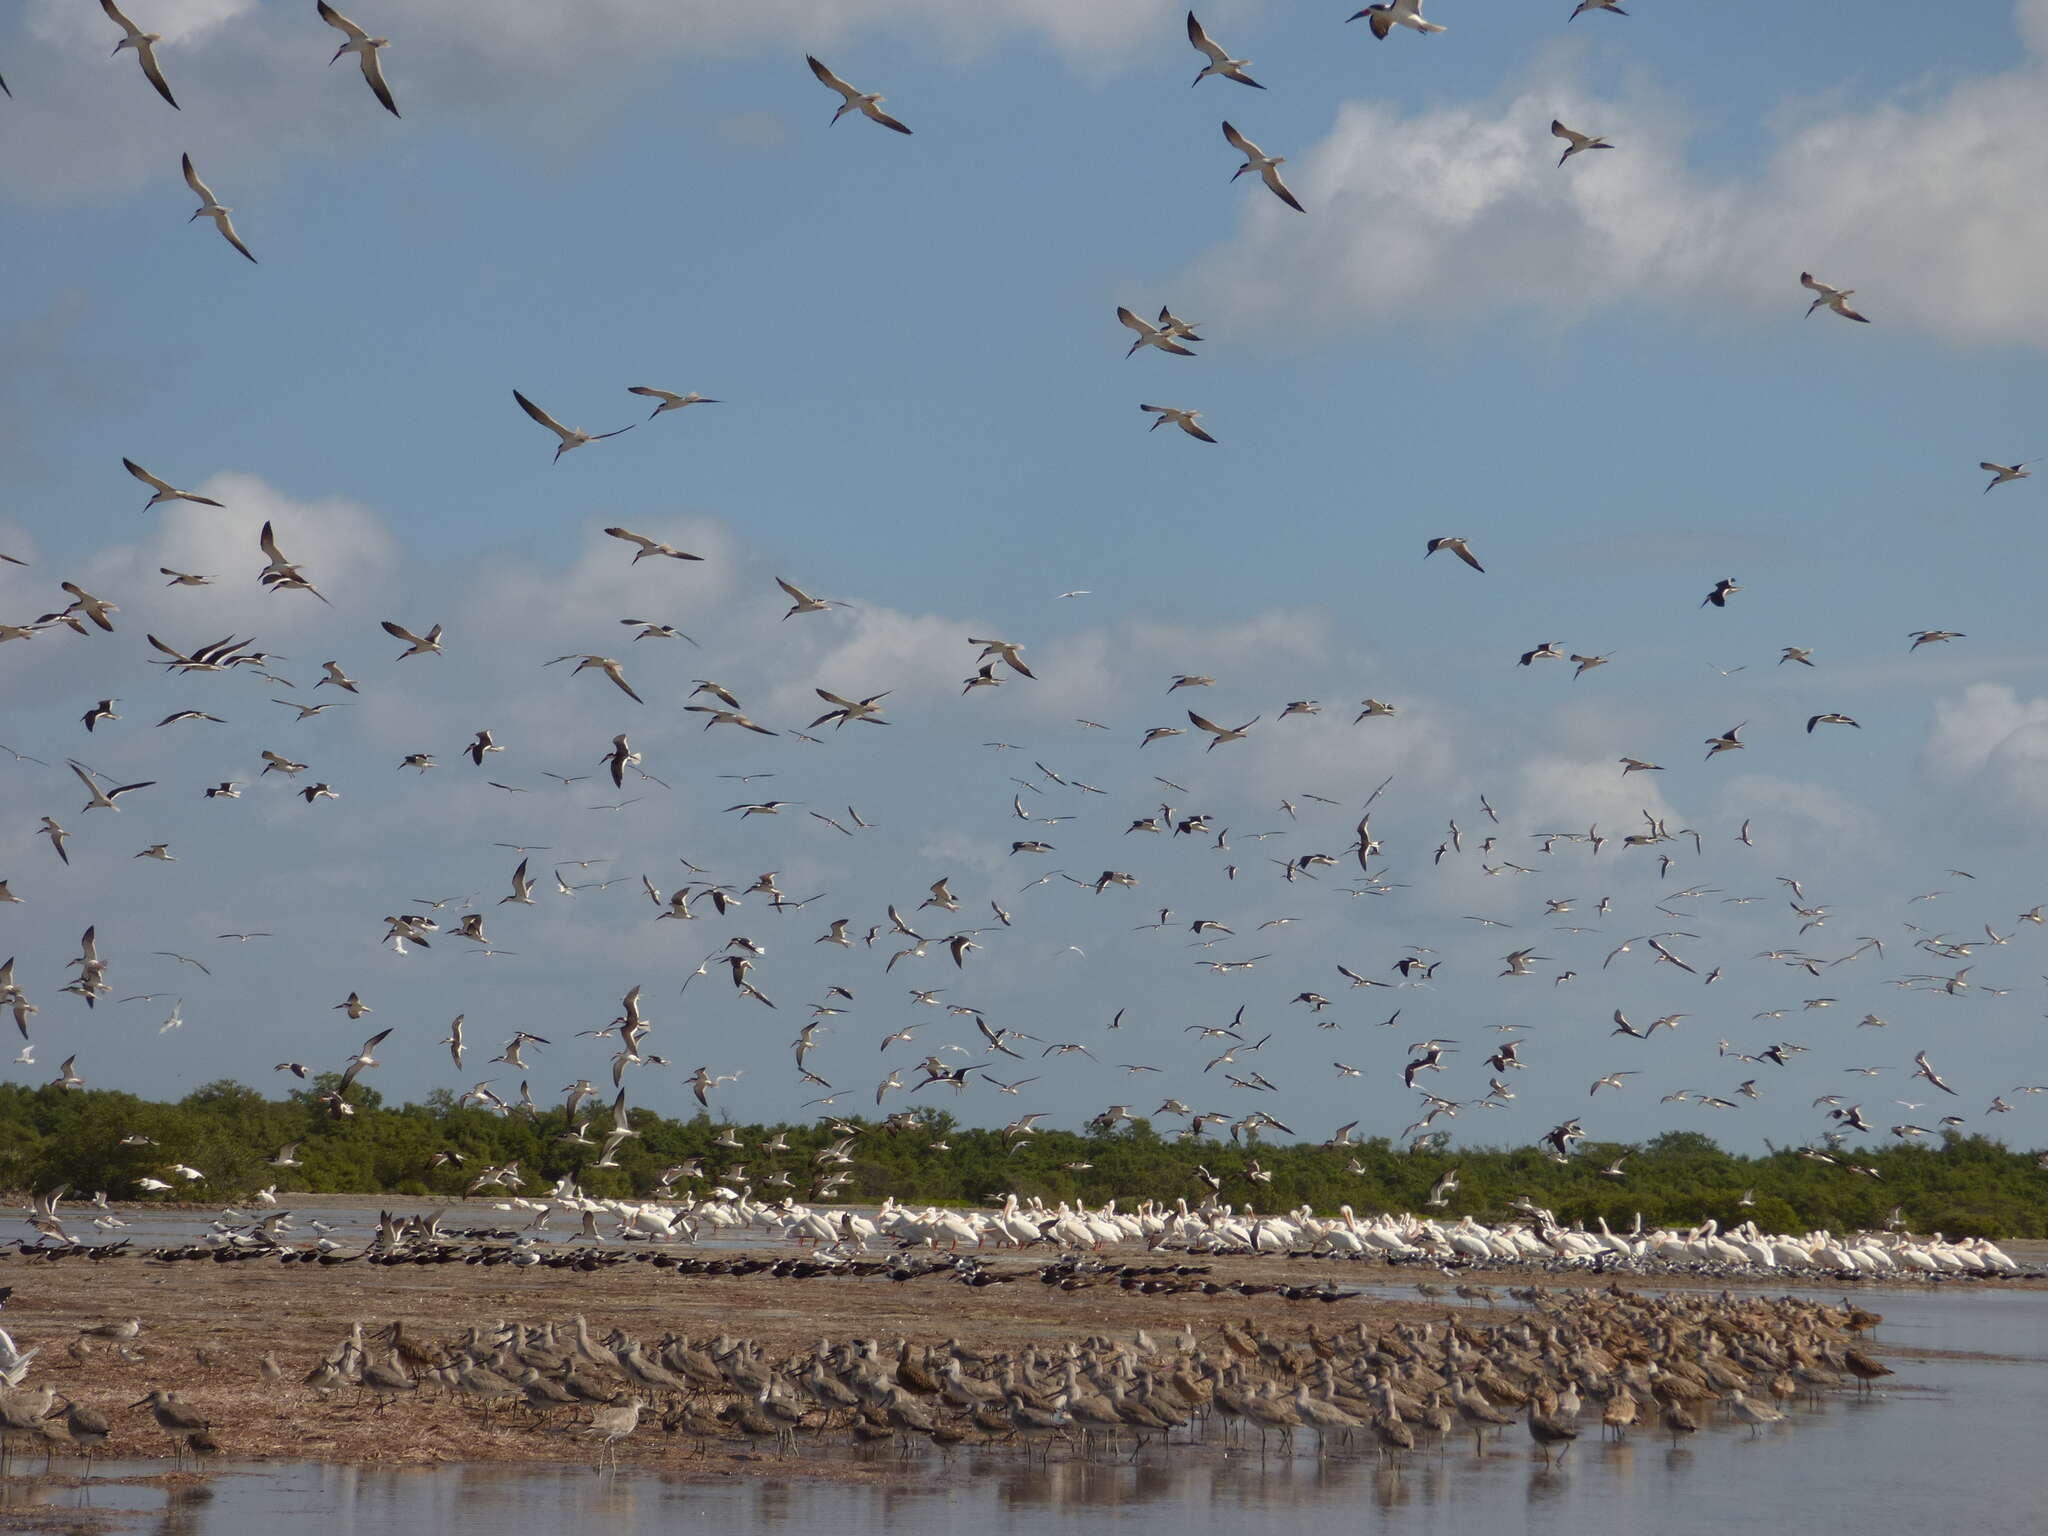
(802, 601)
(1828, 719)
(1220, 62)
(610, 666)
(1219, 734)
(2001, 473)
(164, 490)
(1724, 589)
(1921, 637)
(1836, 299)
(144, 44)
(646, 545)
(867, 103)
(571, 437)
(1185, 420)
(1578, 142)
(428, 644)
(1396, 13)
(670, 402)
(102, 800)
(173, 1417)
(1596, 5)
(210, 207)
(1457, 546)
(1150, 335)
(366, 49)
(1268, 166)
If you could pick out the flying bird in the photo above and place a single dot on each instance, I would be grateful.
(1457, 546)
(367, 50)
(571, 437)
(1185, 420)
(1396, 13)
(2002, 473)
(210, 207)
(1836, 299)
(669, 401)
(165, 491)
(1578, 142)
(144, 44)
(1268, 166)
(867, 103)
(1220, 62)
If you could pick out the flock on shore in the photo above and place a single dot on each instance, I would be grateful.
(1609, 1361)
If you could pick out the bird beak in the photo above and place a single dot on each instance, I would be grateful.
(337, 55)
(143, 1404)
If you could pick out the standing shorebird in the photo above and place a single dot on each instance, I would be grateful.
(611, 1424)
(174, 1418)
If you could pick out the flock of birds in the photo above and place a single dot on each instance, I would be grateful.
(1609, 1360)
(1320, 853)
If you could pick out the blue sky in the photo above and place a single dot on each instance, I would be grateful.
(1599, 373)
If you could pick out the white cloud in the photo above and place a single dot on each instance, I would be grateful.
(1990, 740)
(1930, 210)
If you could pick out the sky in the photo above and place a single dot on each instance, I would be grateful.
(1601, 374)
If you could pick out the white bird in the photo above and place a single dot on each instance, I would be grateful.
(1836, 299)
(428, 644)
(2001, 473)
(103, 799)
(365, 48)
(144, 44)
(1268, 166)
(212, 208)
(1185, 420)
(1220, 61)
(165, 491)
(1219, 734)
(646, 545)
(867, 103)
(1596, 5)
(1150, 335)
(1396, 13)
(1578, 141)
(571, 437)
(670, 401)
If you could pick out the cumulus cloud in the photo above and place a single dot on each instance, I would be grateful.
(1927, 208)
(1990, 740)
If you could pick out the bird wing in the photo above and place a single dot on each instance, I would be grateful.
(227, 233)
(266, 540)
(1271, 177)
(373, 71)
(870, 110)
(1382, 22)
(339, 22)
(1201, 40)
(651, 393)
(145, 54)
(826, 77)
(1239, 142)
(542, 416)
(1207, 725)
(192, 180)
(1147, 328)
(613, 672)
(797, 594)
(136, 469)
(400, 632)
(618, 533)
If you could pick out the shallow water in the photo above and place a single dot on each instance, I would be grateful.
(1952, 1446)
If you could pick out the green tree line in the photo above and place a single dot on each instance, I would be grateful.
(1964, 1186)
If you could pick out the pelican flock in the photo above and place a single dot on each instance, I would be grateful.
(1267, 894)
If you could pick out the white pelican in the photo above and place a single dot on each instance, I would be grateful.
(144, 44)
(1578, 141)
(1268, 166)
(1836, 299)
(571, 437)
(365, 48)
(1396, 13)
(1185, 420)
(1220, 61)
(165, 491)
(211, 207)
(868, 104)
